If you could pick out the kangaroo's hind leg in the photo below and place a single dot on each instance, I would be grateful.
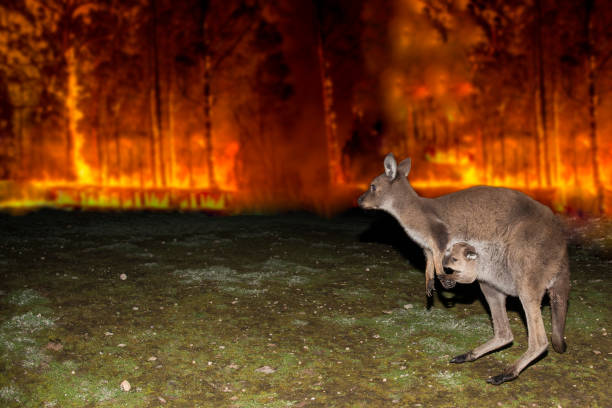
(501, 325)
(538, 342)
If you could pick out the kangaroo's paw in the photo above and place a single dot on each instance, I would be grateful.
(463, 358)
(501, 378)
(429, 287)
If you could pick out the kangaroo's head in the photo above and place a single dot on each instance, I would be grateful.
(389, 186)
(460, 261)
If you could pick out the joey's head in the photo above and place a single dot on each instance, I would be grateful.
(460, 264)
(387, 187)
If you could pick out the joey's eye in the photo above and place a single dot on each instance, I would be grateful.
(372, 188)
(453, 259)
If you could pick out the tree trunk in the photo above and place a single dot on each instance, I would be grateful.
(152, 142)
(515, 166)
(558, 181)
(525, 154)
(172, 162)
(336, 175)
(20, 155)
(447, 138)
(542, 110)
(591, 64)
(409, 130)
(212, 182)
(574, 157)
(101, 141)
(70, 120)
(415, 125)
(158, 130)
(117, 140)
(485, 156)
(141, 165)
(538, 141)
(189, 159)
(502, 142)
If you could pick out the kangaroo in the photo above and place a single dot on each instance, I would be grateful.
(503, 267)
(509, 229)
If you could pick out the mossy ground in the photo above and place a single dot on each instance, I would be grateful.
(269, 311)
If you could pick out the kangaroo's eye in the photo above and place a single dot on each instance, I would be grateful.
(372, 188)
(453, 259)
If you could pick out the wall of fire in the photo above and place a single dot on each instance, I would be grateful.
(276, 104)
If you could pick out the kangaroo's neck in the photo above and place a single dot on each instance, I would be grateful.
(418, 216)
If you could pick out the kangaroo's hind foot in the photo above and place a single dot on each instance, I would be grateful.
(501, 378)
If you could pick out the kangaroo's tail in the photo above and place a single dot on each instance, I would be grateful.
(559, 295)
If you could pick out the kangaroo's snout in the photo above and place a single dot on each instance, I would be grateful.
(360, 200)
(365, 201)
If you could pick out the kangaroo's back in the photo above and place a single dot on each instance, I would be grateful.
(491, 213)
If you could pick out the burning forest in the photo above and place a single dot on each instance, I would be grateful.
(246, 104)
(212, 153)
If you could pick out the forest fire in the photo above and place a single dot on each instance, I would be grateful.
(246, 104)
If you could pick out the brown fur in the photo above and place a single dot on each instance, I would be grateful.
(520, 240)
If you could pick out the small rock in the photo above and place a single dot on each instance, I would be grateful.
(123, 276)
(108, 333)
(152, 358)
(54, 345)
(266, 370)
(596, 352)
(162, 400)
(408, 306)
(121, 345)
(125, 386)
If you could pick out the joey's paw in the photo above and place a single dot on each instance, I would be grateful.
(463, 358)
(501, 378)
(447, 283)
(429, 287)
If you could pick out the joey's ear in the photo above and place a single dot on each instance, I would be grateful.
(390, 166)
(404, 167)
(471, 255)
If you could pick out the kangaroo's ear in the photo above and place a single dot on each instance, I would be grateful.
(404, 167)
(390, 166)
(471, 255)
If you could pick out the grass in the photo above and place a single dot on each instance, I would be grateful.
(267, 311)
